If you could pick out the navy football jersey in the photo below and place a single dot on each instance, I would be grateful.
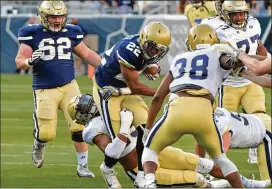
(127, 52)
(56, 66)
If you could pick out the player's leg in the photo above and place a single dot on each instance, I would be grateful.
(230, 97)
(264, 149)
(97, 133)
(69, 91)
(254, 94)
(140, 111)
(165, 131)
(46, 103)
(110, 111)
(207, 135)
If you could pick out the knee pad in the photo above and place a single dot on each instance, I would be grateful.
(115, 148)
(132, 142)
(77, 136)
(175, 158)
(227, 166)
(204, 165)
(46, 133)
(149, 155)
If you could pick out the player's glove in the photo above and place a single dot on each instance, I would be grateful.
(146, 132)
(154, 76)
(236, 72)
(35, 58)
(109, 91)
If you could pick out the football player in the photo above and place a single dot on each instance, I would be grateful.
(177, 168)
(240, 130)
(47, 48)
(234, 25)
(117, 85)
(194, 76)
(197, 10)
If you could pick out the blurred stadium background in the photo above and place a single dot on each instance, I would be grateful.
(104, 23)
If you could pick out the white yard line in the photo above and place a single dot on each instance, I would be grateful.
(49, 164)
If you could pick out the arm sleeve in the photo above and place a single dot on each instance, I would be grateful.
(76, 35)
(26, 35)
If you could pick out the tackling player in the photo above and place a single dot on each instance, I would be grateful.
(246, 131)
(47, 48)
(234, 25)
(195, 77)
(177, 168)
(197, 10)
(117, 85)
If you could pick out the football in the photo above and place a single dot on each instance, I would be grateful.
(151, 69)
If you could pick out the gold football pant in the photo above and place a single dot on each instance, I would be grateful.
(264, 149)
(110, 110)
(46, 105)
(176, 168)
(251, 97)
(186, 115)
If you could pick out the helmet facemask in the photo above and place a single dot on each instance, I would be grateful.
(51, 25)
(85, 109)
(227, 16)
(153, 52)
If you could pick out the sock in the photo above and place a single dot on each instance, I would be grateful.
(82, 157)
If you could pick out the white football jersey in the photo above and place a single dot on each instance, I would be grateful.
(199, 69)
(247, 130)
(245, 40)
(96, 127)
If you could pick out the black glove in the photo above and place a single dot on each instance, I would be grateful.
(109, 91)
(35, 58)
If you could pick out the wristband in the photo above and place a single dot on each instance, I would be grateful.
(125, 91)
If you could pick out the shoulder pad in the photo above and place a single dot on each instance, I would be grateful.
(129, 54)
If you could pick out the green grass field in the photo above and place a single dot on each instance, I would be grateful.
(59, 169)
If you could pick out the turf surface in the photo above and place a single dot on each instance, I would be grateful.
(59, 169)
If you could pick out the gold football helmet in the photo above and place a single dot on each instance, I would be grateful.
(230, 7)
(53, 8)
(82, 109)
(154, 41)
(201, 36)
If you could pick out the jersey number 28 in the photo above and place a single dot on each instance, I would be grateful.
(49, 48)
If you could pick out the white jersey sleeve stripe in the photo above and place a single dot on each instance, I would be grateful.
(79, 36)
(25, 38)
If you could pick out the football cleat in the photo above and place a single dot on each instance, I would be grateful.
(38, 153)
(83, 171)
(252, 156)
(140, 180)
(249, 183)
(110, 176)
(152, 184)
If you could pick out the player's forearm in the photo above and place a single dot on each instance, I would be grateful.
(264, 80)
(21, 63)
(92, 58)
(255, 63)
(141, 89)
